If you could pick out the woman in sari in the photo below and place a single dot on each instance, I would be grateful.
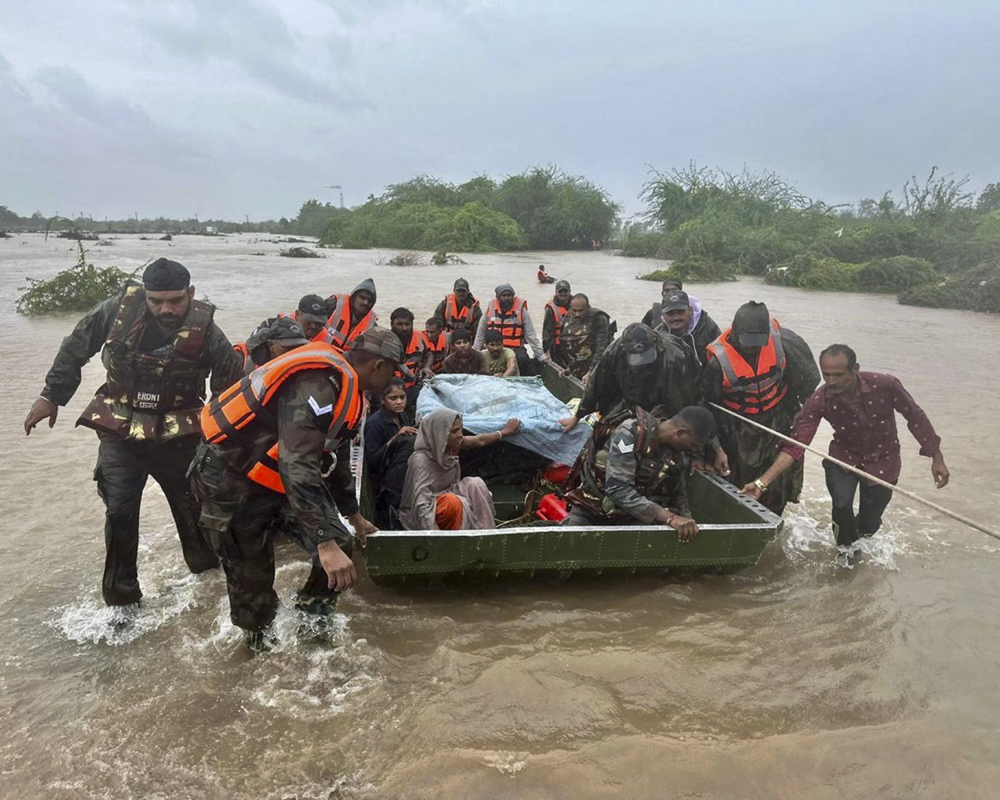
(436, 496)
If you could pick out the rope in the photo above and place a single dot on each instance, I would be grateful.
(826, 457)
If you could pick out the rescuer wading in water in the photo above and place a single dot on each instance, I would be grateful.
(159, 347)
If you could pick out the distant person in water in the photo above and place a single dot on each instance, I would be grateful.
(543, 276)
(860, 407)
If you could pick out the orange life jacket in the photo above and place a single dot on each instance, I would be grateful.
(413, 361)
(338, 330)
(244, 354)
(558, 312)
(243, 402)
(455, 316)
(439, 348)
(746, 390)
(510, 323)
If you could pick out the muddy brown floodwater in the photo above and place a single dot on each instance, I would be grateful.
(792, 679)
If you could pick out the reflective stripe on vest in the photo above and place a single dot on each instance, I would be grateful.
(439, 348)
(747, 390)
(510, 324)
(558, 313)
(338, 330)
(243, 402)
(455, 316)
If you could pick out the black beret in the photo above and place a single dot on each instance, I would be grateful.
(164, 275)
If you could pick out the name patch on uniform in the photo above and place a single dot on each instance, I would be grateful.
(147, 401)
(319, 410)
(626, 448)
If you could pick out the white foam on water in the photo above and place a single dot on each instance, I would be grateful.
(507, 763)
(93, 622)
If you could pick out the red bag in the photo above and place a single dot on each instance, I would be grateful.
(552, 508)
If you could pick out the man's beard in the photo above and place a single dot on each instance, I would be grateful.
(169, 321)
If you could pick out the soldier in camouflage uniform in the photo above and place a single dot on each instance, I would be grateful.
(159, 347)
(638, 475)
(586, 332)
(277, 452)
(642, 369)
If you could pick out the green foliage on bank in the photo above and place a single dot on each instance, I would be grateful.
(933, 232)
(79, 288)
(542, 208)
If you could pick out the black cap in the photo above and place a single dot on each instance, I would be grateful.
(639, 342)
(678, 301)
(382, 342)
(563, 284)
(312, 308)
(462, 283)
(164, 275)
(752, 324)
(287, 331)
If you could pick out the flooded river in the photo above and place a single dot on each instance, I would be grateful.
(792, 679)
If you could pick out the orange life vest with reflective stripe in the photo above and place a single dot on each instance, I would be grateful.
(413, 361)
(439, 348)
(558, 313)
(242, 403)
(338, 330)
(455, 316)
(510, 323)
(747, 390)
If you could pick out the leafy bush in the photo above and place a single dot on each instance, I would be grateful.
(658, 275)
(695, 268)
(78, 288)
(977, 289)
(895, 274)
(814, 272)
(299, 252)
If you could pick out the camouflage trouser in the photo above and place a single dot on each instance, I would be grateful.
(123, 467)
(242, 519)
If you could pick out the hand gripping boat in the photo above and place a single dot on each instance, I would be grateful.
(733, 532)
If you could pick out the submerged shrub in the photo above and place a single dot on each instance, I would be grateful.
(79, 288)
(977, 289)
(809, 271)
(698, 268)
(895, 274)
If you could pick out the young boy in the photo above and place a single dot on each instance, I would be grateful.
(500, 361)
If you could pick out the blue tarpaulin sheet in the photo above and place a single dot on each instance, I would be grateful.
(486, 403)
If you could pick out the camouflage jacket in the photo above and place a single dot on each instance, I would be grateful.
(670, 383)
(620, 476)
(90, 334)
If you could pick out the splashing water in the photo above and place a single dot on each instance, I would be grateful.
(91, 622)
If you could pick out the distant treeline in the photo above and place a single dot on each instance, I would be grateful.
(935, 243)
(540, 209)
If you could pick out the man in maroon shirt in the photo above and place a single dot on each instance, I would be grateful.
(859, 406)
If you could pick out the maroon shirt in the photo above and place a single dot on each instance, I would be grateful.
(864, 432)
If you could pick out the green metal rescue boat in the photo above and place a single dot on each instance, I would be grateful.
(733, 532)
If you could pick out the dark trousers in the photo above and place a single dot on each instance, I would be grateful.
(243, 519)
(526, 365)
(843, 485)
(123, 467)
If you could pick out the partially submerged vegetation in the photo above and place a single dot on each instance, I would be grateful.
(79, 288)
(300, 252)
(922, 243)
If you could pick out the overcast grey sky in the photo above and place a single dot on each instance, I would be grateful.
(231, 107)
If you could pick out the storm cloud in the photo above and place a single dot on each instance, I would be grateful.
(250, 107)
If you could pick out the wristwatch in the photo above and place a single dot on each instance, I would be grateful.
(760, 484)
